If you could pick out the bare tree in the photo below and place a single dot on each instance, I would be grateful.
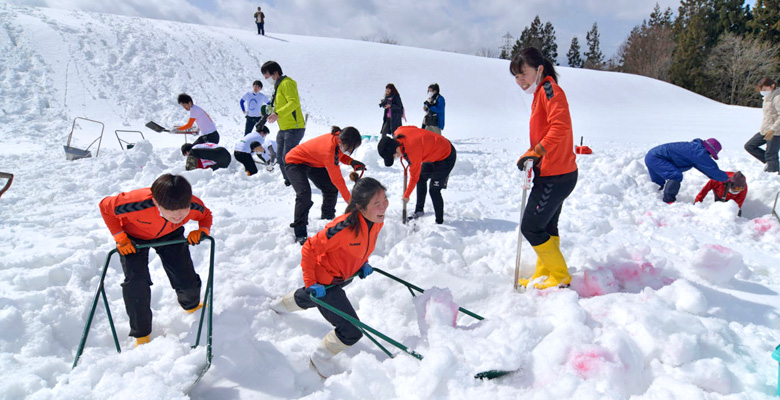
(736, 64)
(488, 52)
(648, 51)
(379, 39)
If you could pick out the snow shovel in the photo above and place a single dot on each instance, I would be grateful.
(156, 127)
(776, 357)
(528, 172)
(208, 301)
(406, 182)
(10, 178)
(774, 207)
(491, 374)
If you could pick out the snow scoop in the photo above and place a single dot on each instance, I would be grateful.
(365, 329)
(208, 301)
(10, 177)
(774, 207)
(528, 172)
(124, 144)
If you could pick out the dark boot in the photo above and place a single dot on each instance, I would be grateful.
(671, 188)
(300, 234)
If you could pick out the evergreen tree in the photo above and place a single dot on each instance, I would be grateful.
(766, 20)
(695, 34)
(539, 36)
(594, 58)
(573, 56)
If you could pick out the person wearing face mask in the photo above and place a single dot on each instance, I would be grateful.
(318, 160)
(434, 110)
(154, 215)
(286, 110)
(769, 133)
(554, 164)
(735, 188)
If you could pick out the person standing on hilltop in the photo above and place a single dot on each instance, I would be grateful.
(260, 21)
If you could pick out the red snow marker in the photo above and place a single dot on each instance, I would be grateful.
(583, 150)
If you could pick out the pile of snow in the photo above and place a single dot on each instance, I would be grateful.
(667, 301)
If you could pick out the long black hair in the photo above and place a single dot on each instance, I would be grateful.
(532, 57)
(364, 190)
(349, 137)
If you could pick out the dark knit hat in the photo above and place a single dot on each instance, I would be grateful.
(738, 180)
(386, 148)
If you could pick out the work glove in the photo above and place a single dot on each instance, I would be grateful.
(365, 271)
(534, 154)
(769, 135)
(316, 289)
(195, 236)
(357, 165)
(123, 244)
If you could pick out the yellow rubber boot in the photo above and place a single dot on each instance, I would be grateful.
(557, 272)
(142, 340)
(192, 310)
(541, 270)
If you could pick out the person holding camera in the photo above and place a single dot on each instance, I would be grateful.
(434, 110)
(392, 110)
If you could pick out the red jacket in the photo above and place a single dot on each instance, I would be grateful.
(550, 126)
(322, 152)
(719, 189)
(335, 251)
(419, 146)
(135, 214)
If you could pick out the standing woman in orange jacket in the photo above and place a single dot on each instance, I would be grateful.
(554, 163)
(331, 257)
(318, 160)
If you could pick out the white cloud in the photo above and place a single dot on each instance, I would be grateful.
(456, 25)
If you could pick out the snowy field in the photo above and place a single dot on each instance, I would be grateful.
(667, 301)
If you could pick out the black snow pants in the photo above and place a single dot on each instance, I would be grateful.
(299, 176)
(337, 298)
(540, 219)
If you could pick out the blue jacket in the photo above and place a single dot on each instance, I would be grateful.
(670, 160)
(438, 108)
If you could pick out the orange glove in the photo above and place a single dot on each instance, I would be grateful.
(194, 236)
(534, 154)
(123, 244)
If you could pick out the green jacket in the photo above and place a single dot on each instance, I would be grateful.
(287, 105)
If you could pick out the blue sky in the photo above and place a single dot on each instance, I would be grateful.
(464, 26)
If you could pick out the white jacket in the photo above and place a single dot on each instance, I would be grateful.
(771, 110)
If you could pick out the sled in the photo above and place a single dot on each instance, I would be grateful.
(582, 149)
(528, 172)
(124, 144)
(10, 177)
(774, 208)
(365, 329)
(208, 301)
(73, 153)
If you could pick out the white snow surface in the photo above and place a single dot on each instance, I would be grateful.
(667, 301)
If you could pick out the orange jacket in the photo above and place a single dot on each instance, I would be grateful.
(322, 152)
(419, 146)
(135, 214)
(335, 251)
(719, 189)
(550, 126)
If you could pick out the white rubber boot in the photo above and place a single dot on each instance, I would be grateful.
(322, 356)
(286, 304)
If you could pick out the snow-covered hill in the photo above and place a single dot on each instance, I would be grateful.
(672, 301)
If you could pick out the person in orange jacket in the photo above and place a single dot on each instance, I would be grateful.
(153, 215)
(554, 164)
(332, 257)
(430, 156)
(318, 160)
(735, 188)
